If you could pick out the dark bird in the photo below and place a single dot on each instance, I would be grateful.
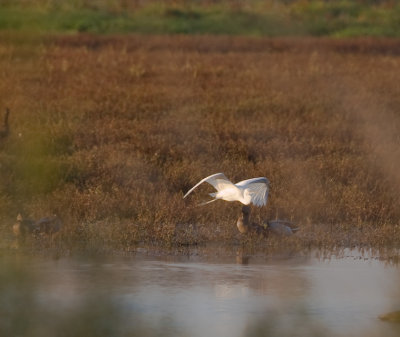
(5, 129)
(23, 227)
(245, 226)
(48, 225)
(44, 226)
(277, 227)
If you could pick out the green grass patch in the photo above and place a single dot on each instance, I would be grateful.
(149, 21)
(316, 18)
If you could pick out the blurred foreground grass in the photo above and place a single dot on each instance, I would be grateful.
(343, 18)
(109, 132)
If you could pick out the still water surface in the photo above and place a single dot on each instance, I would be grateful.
(226, 295)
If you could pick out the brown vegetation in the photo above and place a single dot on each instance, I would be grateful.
(110, 132)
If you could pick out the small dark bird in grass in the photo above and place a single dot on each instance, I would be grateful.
(245, 226)
(46, 226)
(23, 227)
(277, 227)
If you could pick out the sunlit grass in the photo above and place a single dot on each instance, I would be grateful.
(110, 132)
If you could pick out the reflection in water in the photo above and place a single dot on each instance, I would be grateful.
(240, 295)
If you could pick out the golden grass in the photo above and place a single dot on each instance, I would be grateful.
(110, 132)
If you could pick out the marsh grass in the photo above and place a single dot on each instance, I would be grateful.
(110, 132)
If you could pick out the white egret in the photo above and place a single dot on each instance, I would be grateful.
(247, 191)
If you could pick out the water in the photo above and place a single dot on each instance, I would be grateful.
(145, 295)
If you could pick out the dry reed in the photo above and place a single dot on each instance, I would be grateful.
(109, 132)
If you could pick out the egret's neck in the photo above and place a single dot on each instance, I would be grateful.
(5, 124)
(243, 220)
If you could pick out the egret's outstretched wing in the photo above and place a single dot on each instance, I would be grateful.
(218, 180)
(257, 188)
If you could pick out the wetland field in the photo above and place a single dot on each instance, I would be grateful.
(109, 132)
(118, 108)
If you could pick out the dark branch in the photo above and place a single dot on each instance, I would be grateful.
(4, 131)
